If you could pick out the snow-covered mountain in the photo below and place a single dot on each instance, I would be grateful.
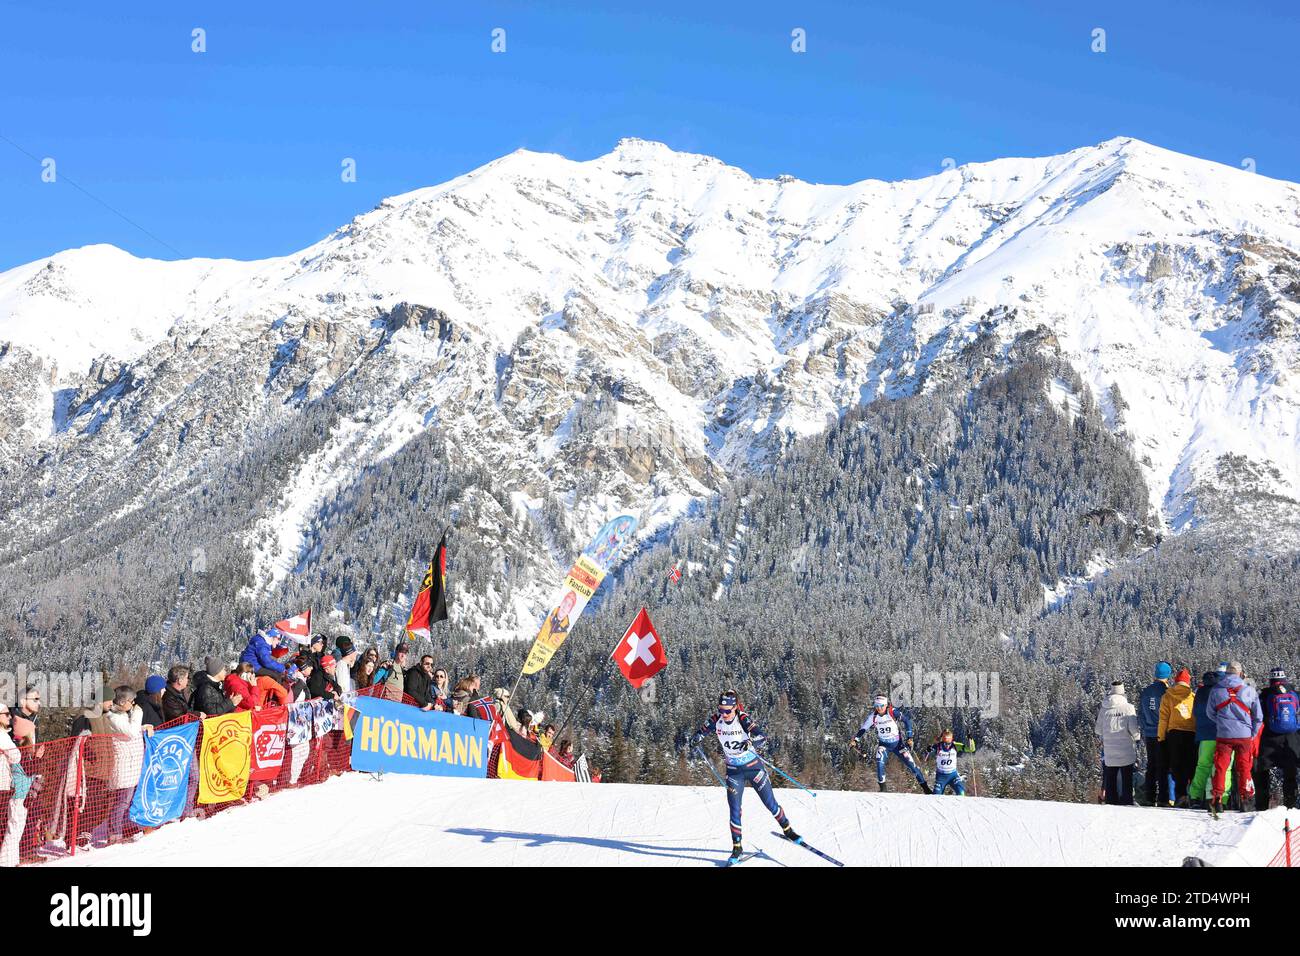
(625, 333)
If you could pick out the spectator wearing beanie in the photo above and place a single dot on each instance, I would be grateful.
(1177, 733)
(1279, 745)
(1157, 773)
(208, 698)
(329, 671)
(149, 700)
(260, 652)
(299, 674)
(392, 673)
(1117, 725)
(346, 655)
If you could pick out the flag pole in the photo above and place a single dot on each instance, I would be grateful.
(591, 683)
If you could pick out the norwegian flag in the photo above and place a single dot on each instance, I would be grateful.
(675, 573)
(296, 628)
(640, 654)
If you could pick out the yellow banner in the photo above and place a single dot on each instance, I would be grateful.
(579, 585)
(226, 759)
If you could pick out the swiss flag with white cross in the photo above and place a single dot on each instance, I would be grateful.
(640, 654)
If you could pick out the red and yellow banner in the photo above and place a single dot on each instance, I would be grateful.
(227, 757)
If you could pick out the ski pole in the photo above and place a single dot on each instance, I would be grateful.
(772, 766)
(705, 760)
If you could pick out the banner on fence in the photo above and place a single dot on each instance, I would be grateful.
(323, 716)
(270, 729)
(552, 769)
(392, 737)
(300, 718)
(164, 780)
(226, 760)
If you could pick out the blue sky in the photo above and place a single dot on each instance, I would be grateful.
(237, 151)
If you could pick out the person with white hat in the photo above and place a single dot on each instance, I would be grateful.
(1117, 725)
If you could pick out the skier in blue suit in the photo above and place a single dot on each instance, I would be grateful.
(893, 730)
(738, 735)
(945, 751)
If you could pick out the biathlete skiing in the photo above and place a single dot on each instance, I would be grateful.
(893, 731)
(738, 735)
(945, 751)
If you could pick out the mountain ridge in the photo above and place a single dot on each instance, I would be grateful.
(630, 331)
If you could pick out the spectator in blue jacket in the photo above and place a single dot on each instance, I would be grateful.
(258, 653)
(1159, 789)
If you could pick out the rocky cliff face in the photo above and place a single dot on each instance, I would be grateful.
(627, 333)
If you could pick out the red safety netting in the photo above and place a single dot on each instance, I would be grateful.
(81, 789)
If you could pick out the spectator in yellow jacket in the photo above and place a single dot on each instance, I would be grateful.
(1178, 734)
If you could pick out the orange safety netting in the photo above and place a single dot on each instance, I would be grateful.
(82, 787)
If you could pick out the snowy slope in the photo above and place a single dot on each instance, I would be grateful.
(413, 821)
(693, 320)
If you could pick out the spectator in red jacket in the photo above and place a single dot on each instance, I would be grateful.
(243, 684)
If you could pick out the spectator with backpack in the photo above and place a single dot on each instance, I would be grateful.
(1238, 717)
(392, 673)
(1279, 745)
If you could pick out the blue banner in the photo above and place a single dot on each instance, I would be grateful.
(165, 779)
(399, 738)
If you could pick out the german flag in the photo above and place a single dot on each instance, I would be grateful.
(431, 603)
(519, 759)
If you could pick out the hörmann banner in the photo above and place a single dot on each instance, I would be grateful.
(398, 738)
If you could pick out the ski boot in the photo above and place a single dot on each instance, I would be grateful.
(925, 787)
(884, 787)
(1214, 808)
(788, 832)
(737, 851)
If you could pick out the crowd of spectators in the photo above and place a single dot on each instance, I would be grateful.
(271, 671)
(1198, 740)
